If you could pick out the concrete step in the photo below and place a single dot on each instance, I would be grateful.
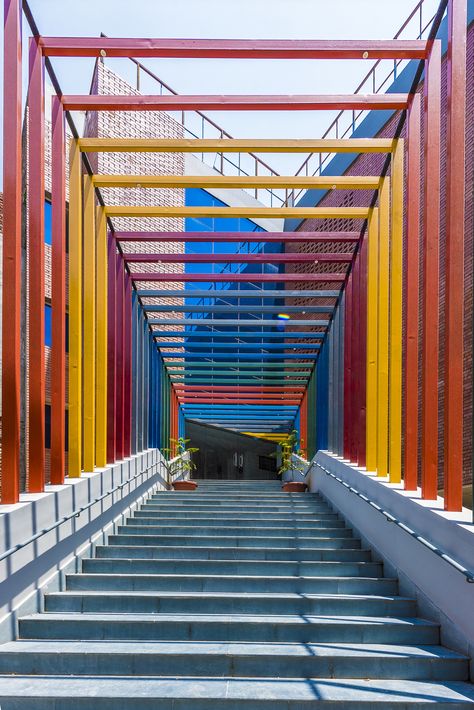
(230, 583)
(122, 693)
(231, 511)
(214, 659)
(131, 537)
(232, 567)
(185, 528)
(219, 496)
(261, 628)
(149, 602)
(203, 517)
(328, 553)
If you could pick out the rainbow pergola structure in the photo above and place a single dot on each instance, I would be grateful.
(133, 381)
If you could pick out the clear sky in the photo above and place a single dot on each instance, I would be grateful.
(283, 19)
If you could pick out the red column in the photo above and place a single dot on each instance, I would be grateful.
(36, 301)
(412, 275)
(58, 296)
(431, 223)
(455, 223)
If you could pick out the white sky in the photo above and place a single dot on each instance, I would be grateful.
(259, 19)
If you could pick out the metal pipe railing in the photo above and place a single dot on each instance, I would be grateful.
(392, 519)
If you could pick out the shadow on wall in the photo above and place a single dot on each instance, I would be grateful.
(225, 454)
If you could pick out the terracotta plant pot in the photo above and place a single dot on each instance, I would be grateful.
(294, 487)
(185, 485)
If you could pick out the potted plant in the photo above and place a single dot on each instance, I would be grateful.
(291, 465)
(180, 465)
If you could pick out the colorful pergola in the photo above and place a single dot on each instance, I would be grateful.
(127, 391)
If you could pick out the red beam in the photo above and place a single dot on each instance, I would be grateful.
(297, 237)
(237, 388)
(233, 48)
(286, 258)
(412, 272)
(250, 278)
(141, 102)
(238, 400)
(37, 379)
(431, 235)
(58, 295)
(455, 226)
(11, 306)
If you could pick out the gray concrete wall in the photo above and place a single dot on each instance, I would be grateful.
(442, 592)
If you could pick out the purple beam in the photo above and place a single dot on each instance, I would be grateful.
(350, 237)
(286, 258)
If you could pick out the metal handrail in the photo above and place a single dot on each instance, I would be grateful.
(355, 116)
(392, 519)
(74, 514)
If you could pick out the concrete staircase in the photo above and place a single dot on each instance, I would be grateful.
(236, 596)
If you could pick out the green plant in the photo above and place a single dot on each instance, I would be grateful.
(181, 461)
(288, 448)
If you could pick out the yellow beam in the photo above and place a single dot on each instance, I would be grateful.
(372, 333)
(233, 145)
(101, 342)
(383, 320)
(75, 314)
(347, 182)
(89, 310)
(396, 315)
(248, 212)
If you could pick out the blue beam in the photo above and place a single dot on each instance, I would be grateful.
(237, 334)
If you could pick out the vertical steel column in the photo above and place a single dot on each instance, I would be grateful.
(75, 313)
(303, 422)
(36, 301)
(111, 348)
(362, 408)
(119, 354)
(355, 362)
(146, 384)
(140, 380)
(383, 323)
(11, 304)
(330, 343)
(412, 297)
(348, 369)
(134, 371)
(396, 316)
(89, 313)
(127, 403)
(58, 295)
(372, 339)
(455, 226)
(101, 342)
(431, 226)
(341, 350)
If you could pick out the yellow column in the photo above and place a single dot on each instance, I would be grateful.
(372, 342)
(396, 286)
(75, 314)
(89, 325)
(383, 328)
(101, 343)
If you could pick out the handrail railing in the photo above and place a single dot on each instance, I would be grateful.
(392, 519)
(313, 164)
(75, 513)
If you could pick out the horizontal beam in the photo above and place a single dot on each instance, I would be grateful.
(235, 347)
(247, 381)
(238, 400)
(246, 278)
(290, 102)
(254, 357)
(242, 365)
(244, 258)
(214, 237)
(281, 409)
(239, 182)
(223, 294)
(234, 388)
(244, 212)
(237, 309)
(235, 334)
(188, 373)
(243, 322)
(232, 48)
